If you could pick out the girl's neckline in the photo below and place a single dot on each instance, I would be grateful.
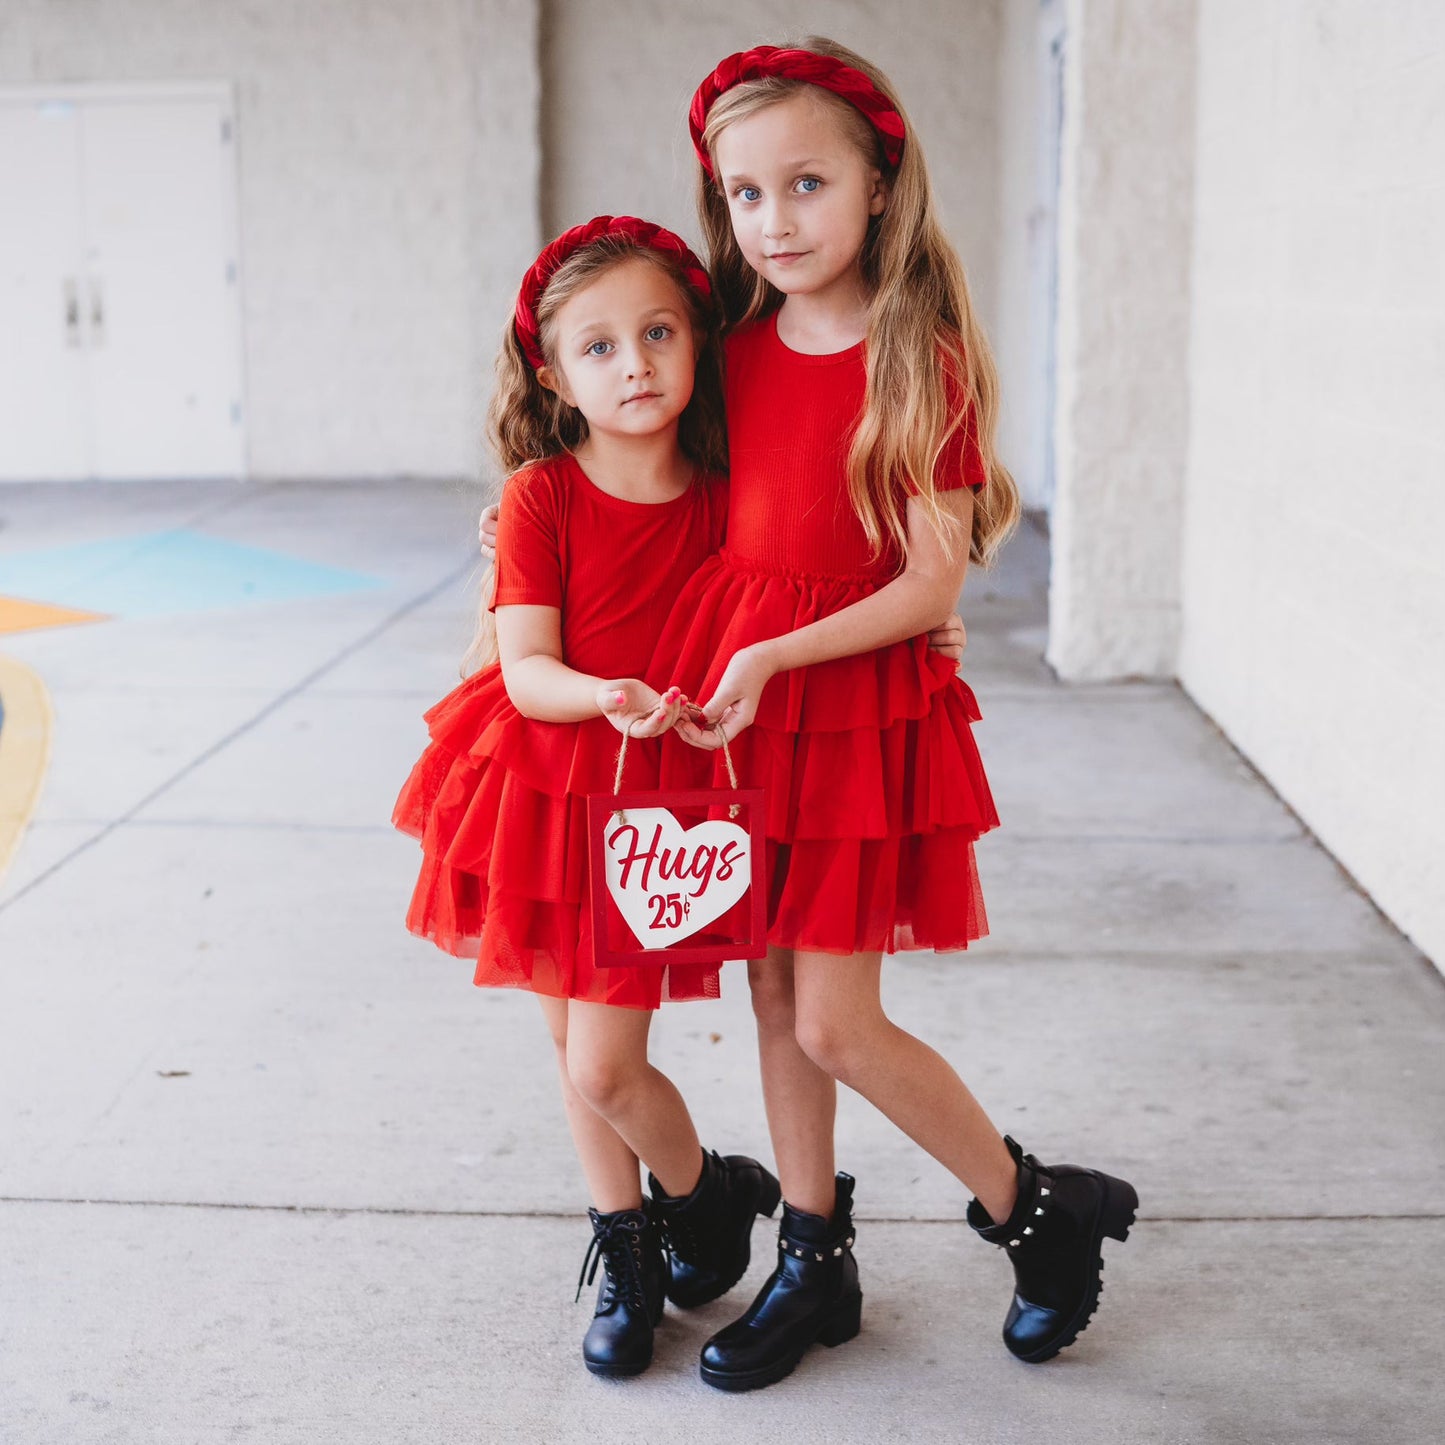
(624, 502)
(812, 358)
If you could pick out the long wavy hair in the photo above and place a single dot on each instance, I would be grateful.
(527, 422)
(925, 346)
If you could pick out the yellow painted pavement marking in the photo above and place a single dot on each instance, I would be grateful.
(18, 614)
(24, 751)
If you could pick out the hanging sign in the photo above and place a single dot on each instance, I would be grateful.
(676, 877)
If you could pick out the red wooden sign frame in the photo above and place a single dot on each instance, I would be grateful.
(711, 803)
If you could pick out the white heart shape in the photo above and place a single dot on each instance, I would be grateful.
(668, 882)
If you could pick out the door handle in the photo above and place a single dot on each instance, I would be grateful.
(97, 312)
(70, 307)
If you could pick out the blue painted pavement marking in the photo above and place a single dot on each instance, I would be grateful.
(158, 573)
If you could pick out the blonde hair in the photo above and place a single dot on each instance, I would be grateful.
(527, 422)
(923, 339)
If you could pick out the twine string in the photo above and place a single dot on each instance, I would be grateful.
(621, 814)
(733, 809)
(732, 771)
(622, 762)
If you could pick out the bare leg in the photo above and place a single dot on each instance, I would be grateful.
(608, 1162)
(841, 1026)
(607, 1063)
(800, 1098)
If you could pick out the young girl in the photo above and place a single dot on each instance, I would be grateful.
(608, 414)
(861, 410)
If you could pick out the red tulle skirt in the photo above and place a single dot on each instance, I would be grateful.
(499, 803)
(875, 789)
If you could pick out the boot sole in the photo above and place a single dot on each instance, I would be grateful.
(837, 1329)
(615, 1372)
(770, 1195)
(1116, 1217)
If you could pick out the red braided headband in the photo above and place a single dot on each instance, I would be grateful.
(768, 60)
(644, 233)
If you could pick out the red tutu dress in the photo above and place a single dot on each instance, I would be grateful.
(875, 792)
(498, 800)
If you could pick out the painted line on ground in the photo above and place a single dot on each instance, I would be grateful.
(221, 744)
(25, 727)
(169, 573)
(20, 614)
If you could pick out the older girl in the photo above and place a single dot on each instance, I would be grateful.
(861, 408)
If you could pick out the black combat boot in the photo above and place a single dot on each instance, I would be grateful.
(812, 1297)
(1053, 1240)
(629, 1303)
(709, 1232)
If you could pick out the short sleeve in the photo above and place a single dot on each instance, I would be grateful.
(960, 463)
(528, 569)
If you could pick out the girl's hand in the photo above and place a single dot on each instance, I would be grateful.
(735, 703)
(636, 710)
(487, 531)
(949, 638)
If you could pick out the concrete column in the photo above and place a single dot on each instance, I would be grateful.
(1121, 420)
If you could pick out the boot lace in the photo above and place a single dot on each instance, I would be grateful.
(619, 1245)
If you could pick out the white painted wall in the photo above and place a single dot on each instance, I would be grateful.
(1121, 421)
(1314, 588)
(619, 77)
(389, 168)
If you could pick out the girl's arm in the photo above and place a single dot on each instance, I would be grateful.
(542, 686)
(910, 605)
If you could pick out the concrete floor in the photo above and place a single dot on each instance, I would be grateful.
(272, 1170)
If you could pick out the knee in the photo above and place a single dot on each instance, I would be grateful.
(604, 1080)
(772, 993)
(835, 1044)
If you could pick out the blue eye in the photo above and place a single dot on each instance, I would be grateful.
(748, 193)
(658, 333)
(809, 184)
(599, 348)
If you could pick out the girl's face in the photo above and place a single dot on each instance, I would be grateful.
(624, 351)
(800, 196)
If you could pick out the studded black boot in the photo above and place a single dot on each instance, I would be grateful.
(812, 1297)
(629, 1303)
(1053, 1240)
(708, 1233)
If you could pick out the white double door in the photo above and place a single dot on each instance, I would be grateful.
(120, 332)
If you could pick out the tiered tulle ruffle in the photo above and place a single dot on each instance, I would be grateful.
(875, 789)
(499, 804)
